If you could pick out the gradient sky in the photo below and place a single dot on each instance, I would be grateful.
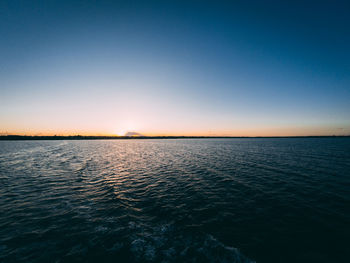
(240, 68)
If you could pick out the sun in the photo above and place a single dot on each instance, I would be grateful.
(121, 132)
(125, 127)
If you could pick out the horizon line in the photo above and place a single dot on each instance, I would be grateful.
(116, 137)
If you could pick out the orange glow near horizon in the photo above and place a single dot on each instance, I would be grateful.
(247, 132)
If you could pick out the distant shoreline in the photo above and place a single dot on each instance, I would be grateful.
(80, 137)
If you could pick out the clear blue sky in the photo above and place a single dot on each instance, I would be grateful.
(175, 67)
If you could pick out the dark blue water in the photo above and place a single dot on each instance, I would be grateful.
(193, 200)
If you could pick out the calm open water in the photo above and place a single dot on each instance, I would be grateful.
(191, 200)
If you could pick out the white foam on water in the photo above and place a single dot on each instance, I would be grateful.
(167, 244)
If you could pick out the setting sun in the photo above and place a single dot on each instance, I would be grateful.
(120, 132)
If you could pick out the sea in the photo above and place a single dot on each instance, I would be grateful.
(175, 200)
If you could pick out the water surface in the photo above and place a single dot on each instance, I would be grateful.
(190, 200)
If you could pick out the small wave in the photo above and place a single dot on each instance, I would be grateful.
(166, 243)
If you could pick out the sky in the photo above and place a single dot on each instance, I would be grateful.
(212, 68)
